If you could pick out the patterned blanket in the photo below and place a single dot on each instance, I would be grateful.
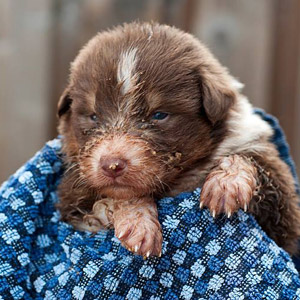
(203, 258)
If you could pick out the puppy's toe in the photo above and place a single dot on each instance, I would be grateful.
(100, 217)
(151, 244)
(91, 223)
(103, 211)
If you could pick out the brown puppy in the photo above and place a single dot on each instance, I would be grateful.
(150, 112)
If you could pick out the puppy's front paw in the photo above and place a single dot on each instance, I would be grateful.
(229, 186)
(101, 216)
(140, 233)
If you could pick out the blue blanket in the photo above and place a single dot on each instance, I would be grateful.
(203, 258)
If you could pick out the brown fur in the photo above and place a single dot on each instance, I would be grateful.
(176, 74)
(275, 203)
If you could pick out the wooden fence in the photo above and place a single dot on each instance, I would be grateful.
(257, 40)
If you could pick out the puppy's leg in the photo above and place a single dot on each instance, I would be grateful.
(137, 226)
(229, 186)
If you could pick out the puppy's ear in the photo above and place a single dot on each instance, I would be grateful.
(217, 97)
(64, 103)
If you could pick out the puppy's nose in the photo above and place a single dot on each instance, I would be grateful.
(112, 167)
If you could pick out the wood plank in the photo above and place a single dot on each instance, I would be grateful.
(239, 33)
(286, 71)
(24, 76)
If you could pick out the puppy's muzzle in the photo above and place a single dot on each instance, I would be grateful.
(112, 166)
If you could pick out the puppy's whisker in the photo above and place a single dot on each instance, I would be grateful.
(73, 167)
(80, 181)
(158, 183)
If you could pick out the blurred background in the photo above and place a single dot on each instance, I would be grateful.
(258, 40)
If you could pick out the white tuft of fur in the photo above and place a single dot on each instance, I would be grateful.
(237, 84)
(126, 67)
(247, 131)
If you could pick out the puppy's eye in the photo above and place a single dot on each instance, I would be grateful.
(94, 117)
(159, 116)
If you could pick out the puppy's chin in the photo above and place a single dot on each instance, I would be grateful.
(124, 187)
(121, 192)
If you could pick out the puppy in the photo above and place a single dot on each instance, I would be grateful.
(149, 112)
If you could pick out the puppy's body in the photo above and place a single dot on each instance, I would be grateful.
(150, 112)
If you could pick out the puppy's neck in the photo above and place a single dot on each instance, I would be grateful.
(191, 179)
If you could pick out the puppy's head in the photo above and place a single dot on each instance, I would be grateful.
(145, 102)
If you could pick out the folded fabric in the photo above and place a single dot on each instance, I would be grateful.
(203, 258)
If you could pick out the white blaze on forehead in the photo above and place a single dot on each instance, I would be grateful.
(126, 70)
